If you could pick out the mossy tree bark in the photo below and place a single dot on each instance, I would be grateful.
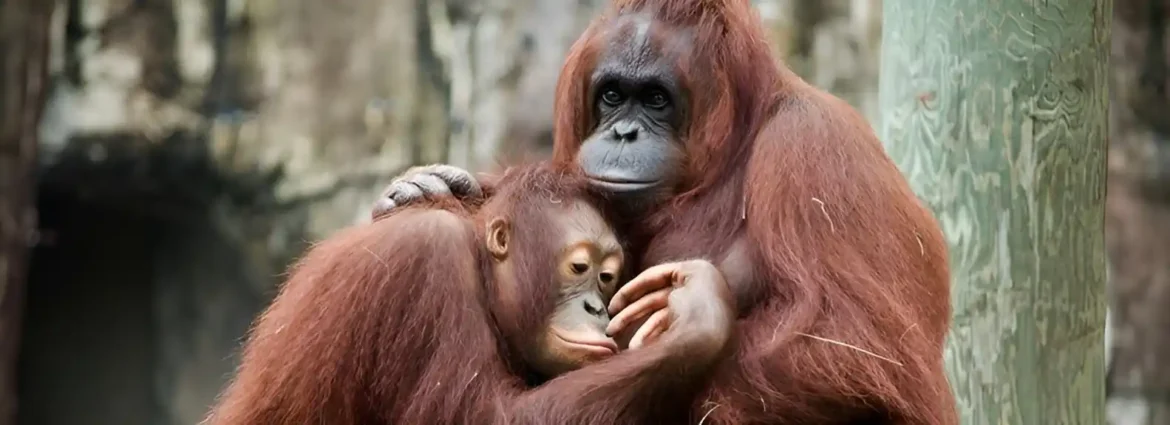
(997, 112)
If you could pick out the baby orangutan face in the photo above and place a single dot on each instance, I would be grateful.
(588, 265)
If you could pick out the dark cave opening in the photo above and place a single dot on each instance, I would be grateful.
(150, 265)
(88, 338)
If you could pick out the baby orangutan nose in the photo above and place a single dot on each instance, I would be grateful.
(597, 308)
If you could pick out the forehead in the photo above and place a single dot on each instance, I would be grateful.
(636, 45)
(580, 221)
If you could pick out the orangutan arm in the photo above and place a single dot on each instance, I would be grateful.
(858, 271)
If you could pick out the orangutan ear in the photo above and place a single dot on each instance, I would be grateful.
(499, 233)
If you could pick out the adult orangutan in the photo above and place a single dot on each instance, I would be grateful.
(718, 152)
(432, 317)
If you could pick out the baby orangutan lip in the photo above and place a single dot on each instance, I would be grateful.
(593, 345)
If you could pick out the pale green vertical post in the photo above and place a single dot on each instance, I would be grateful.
(997, 112)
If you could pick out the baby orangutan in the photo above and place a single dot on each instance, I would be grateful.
(438, 316)
(533, 231)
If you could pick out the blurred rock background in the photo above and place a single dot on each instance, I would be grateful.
(190, 149)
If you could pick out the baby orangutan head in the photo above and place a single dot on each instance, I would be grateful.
(556, 262)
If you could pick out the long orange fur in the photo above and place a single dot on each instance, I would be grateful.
(850, 272)
(404, 321)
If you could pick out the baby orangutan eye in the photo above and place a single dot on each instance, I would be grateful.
(579, 268)
(606, 277)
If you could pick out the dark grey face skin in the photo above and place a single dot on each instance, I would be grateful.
(635, 150)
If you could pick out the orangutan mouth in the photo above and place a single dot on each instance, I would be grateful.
(596, 346)
(622, 185)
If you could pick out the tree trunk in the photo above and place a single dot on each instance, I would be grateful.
(24, 45)
(997, 112)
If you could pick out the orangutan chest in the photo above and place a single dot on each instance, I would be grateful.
(674, 244)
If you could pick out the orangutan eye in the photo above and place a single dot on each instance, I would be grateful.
(606, 277)
(657, 100)
(579, 268)
(611, 97)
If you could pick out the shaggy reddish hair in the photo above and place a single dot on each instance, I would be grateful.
(842, 272)
(402, 321)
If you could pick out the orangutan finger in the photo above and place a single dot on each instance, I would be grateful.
(651, 279)
(653, 334)
(458, 180)
(431, 185)
(382, 207)
(655, 325)
(404, 192)
(649, 303)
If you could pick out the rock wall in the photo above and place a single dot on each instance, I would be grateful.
(227, 135)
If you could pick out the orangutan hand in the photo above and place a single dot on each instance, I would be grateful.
(687, 300)
(427, 182)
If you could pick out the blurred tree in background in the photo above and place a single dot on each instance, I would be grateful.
(24, 49)
(1138, 211)
(190, 149)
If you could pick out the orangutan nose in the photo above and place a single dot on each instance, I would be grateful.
(625, 131)
(597, 308)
